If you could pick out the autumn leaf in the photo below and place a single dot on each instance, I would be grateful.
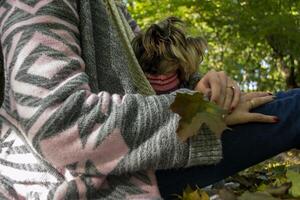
(256, 196)
(278, 191)
(190, 194)
(195, 112)
(294, 178)
(226, 194)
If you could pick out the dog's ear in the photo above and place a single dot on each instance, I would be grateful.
(191, 57)
(137, 45)
(147, 62)
(199, 44)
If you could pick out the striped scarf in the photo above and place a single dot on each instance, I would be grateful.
(163, 84)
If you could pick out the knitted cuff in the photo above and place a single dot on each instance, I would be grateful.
(204, 148)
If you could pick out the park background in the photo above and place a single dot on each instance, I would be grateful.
(257, 42)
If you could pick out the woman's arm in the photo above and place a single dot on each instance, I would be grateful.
(67, 123)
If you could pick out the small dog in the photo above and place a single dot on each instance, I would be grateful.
(164, 49)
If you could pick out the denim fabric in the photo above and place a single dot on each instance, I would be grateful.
(243, 146)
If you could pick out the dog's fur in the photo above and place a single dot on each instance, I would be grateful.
(164, 48)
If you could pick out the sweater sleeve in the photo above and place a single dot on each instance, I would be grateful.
(69, 125)
(1, 78)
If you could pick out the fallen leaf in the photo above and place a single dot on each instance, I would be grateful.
(256, 196)
(226, 194)
(244, 181)
(294, 178)
(262, 187)
(278, 191)
(195, 112)
(190, 194)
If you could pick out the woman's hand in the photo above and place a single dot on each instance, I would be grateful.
(248, 101)
(221, 89)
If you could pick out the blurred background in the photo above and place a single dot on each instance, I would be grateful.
(257, 42)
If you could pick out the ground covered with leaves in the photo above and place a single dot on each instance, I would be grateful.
(274, 179)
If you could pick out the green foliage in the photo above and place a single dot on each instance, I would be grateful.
(256, 42)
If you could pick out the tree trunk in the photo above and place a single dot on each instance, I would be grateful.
(289, 72)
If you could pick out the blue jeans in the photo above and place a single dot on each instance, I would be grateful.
(243, 146)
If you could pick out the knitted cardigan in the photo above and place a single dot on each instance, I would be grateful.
(79, 119)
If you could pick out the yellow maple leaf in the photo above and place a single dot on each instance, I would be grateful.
(195, 112)
(190, 194)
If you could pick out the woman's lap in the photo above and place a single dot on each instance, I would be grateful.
(243, 146)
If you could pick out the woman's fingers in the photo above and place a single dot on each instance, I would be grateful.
(258, 117)
(242, 115)
(209, 86)
(228, 99)
(236, 96)
(204, 89)
(215, 86)
(258, 101)
(250, 95)
(223, 79)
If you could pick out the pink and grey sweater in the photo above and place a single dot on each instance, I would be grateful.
(72, 124)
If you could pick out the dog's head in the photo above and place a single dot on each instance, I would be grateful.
(165, 48)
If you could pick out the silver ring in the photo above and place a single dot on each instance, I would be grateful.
(231, 87)
(223, 116)
(252, 104)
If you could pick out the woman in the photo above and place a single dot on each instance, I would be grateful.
(81, 140)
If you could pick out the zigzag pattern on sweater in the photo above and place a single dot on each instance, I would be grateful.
(59, 140)
(37, 97)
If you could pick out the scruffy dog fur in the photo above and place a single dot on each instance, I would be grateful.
(164, 48)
